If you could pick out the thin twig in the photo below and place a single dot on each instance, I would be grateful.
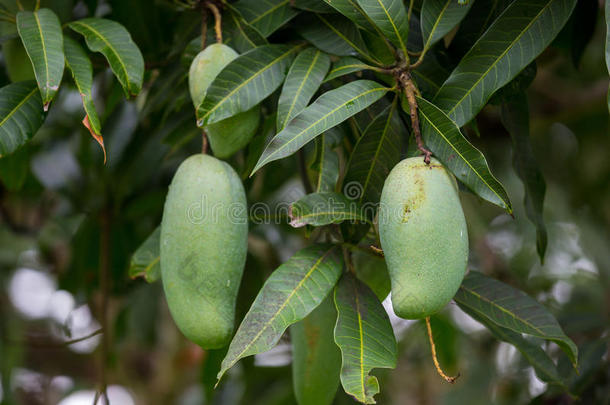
(53, 345)
(371, 250)
(447, 378)
(347, 256)
(217, 21)
(104, 281)
(204, 142)
(37, 5)
(410, 91)
(204, 27)
(19, 5)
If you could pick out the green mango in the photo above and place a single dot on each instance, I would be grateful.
(316, 358)
(231, 134)
(423, 235)
(204, 235)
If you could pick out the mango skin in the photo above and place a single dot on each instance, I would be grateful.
(204, 235)
(423, 235)
(231, 134)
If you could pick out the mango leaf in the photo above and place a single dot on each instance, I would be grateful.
(315, 6)
(333, 34)
(351, 10)
(516, 119)
(345, 66)
(292, 291)
(145, 262)
(303, 80)
(316, 359)
(266, 15)
(243, 37)
(14, 169)
(22, 114)
(512, 42)
(324, 208)
(329, 110)
(375, 154)
(466, 162)
(438, 17)
(390, 16)
(115, 43)
(41, 35)
(532, 352)
(364, 334)
(511, 309)
(82, 73)
(245, 82)
(326, 164)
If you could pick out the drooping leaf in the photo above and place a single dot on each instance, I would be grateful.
(512, 309)
(375, 154)
(316, 359)
(364, 334)
(82, 73)
(245, 82)
(333, 34)
(302, 81)
(41, 35)
(515, 118)
(324, 208)
(266, 15)
(523, 30)
(243, 37)
(292, 291)
(329, 110)
(466, 162)
(390, 16)
(533, 353)
(115, 43)
(145, 262)
(351, 10)
(326, 164)
(345, 66)
(14, 169)
(21, 114)
(438, 17)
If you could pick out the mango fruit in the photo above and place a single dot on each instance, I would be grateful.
(231, 134)
(423, 235)
(204, 234)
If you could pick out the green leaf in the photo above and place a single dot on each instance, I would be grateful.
(266, 16)
(292, 291)
(345, 66)
(316, 359)
(516, 119)
(145, 262)
(523, 30)
(333, 34)
(372, 271)
(22, 114)
(329, 110)
(466, 162)
(438, 17)
(431, 74)
(326, 164)
(364, 334)
(245, 82)
(243, 37)
(115, 43)
(41, 35)
(351, 10)
(375, 154)
(532, 352)
(324, 208)
(82, 73)
(303, 80)
(315, 6)
(390, 16)
(512, 309)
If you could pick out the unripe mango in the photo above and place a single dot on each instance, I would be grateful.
(233, 133)
(423, 235)
(204, 235)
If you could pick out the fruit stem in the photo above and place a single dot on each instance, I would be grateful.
(404, 78)
(217, 20)
(204, 142)
(204, 27)
(450, 380)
